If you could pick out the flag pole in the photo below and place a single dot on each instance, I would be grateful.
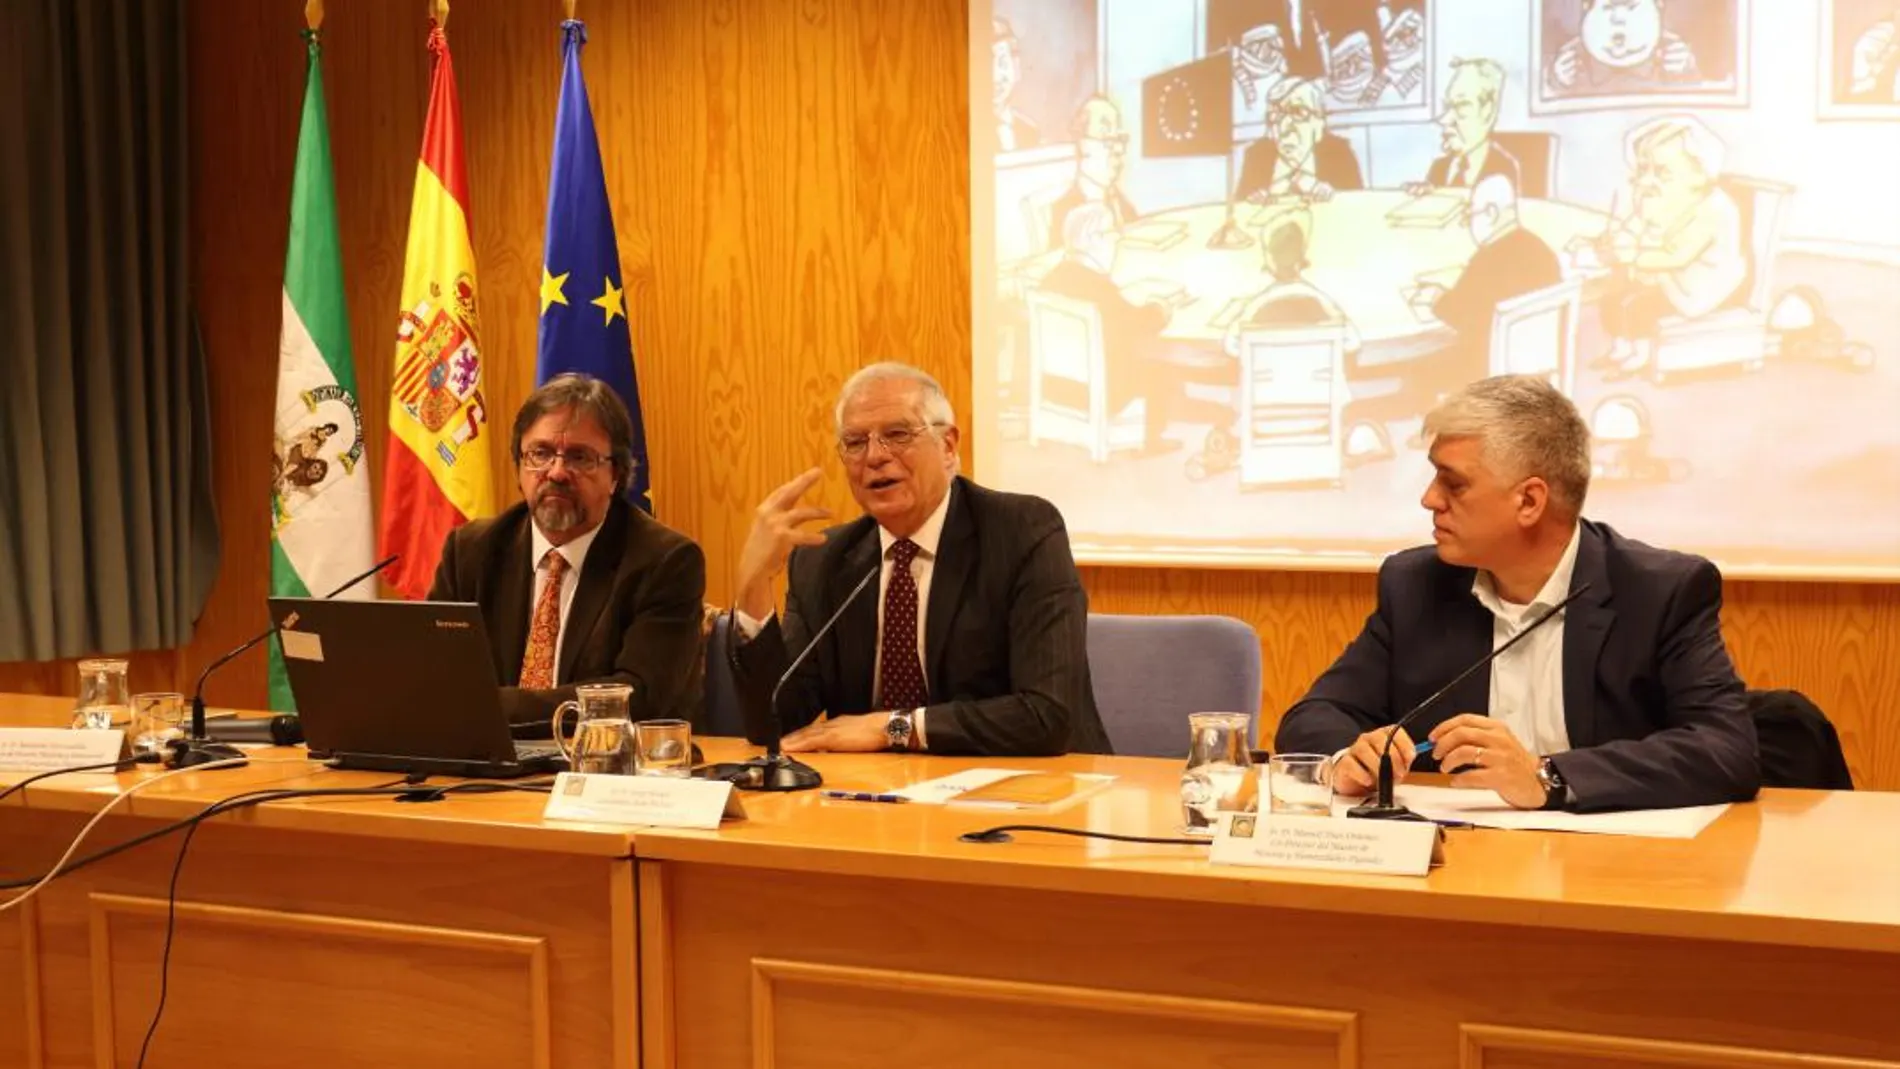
(569, 5)
(439, 11)
(313, 14)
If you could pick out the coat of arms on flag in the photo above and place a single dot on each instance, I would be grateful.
(438, 375)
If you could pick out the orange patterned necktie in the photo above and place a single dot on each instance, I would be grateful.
(537, 666)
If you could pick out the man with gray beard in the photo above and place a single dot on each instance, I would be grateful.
(575, 585)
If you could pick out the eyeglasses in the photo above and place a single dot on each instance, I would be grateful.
(895, 439)
(578, 461)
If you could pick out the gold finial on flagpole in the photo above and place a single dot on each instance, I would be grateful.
(313, 14)
(439, 11)
(569, 5)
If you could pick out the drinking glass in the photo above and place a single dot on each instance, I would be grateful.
(1301, 784)
(603, 736)
(157, 719)
(664, 747)
(1220, 776)
(103, 693)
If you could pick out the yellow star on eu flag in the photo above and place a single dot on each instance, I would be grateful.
(609, 300)
(551, 289)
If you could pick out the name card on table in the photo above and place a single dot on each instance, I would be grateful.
(1333, 844)
(654, 801)
(45, 749)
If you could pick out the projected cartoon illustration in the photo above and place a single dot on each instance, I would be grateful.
(1241, 247)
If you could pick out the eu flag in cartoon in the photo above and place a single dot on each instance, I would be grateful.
(583, 305)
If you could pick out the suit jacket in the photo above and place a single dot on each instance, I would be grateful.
(1005, 633)
(1334, 163)
(1653, 707)
(1496, 161)
(1513, 265)
(635, 617)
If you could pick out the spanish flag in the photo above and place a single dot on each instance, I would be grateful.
(437, 474)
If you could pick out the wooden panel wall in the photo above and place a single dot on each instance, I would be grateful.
(792, 192)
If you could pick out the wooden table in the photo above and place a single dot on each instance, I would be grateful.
(469, 933)
(824, 933)
(314, 933)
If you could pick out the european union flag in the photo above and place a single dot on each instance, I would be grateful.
(583, 309)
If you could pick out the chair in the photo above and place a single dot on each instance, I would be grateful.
(1535, 333)
(1536, 155)
(1038, 212)
(723, 713)
(1736, 334)
(1150, 672)
(1292, 394)
(1799, 747)
(1066, 345)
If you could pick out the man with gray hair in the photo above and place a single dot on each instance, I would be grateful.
(1467, 128)
(1299, 159)
(977, 639)
(576, 585)
(1625, 700)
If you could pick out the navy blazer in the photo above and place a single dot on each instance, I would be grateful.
(1653, 706)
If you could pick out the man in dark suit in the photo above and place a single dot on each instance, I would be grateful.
(1301, 159)
(971, 636)
(1466, 130)
(1510, 262)
(1101, 148)
(1626, 700)
(575, 585)
(1131, 333)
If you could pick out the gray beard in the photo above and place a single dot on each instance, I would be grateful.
(558, 515)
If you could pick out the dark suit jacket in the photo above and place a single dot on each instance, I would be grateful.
(635, 617)
(1333, 163)
(1652, 704)
(1496, 161)
(1005, 633)
(1513, 265)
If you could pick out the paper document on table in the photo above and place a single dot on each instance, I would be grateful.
(1436, 208)
(1006, 788)
(1228, 313)
(1486, 810)
(1154, 234)
(1158, 291)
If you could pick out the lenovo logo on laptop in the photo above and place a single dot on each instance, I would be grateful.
(455, 625)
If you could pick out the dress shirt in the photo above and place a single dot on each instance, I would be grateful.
(575, 552)
(1527, 682)
(927, 539)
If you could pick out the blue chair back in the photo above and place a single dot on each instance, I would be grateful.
(723, 715)
(1150, 672)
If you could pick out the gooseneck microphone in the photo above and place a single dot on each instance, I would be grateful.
(775, 771)
(1383, 807)
(199, 747)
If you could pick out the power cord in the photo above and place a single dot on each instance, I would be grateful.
(1000, 834)
(120, 765)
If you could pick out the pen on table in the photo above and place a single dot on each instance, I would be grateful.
(863, 796)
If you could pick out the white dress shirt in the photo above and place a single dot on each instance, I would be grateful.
(922, 565)
(1527, 682)
(575, 553)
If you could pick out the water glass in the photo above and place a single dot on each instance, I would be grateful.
(1301, 784)
(157, 719)
(102, 700)
(664, 747)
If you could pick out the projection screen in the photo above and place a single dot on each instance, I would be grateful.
(1228, 253)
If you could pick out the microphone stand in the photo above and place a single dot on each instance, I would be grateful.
(774, 771)
(1382, 806)
(1229, 236)
(199, 748)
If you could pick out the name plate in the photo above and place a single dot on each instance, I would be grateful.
(45, 749)
(653, 801)
(1333, 844)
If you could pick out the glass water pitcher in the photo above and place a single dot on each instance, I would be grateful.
(104, 697)
(1220, 775)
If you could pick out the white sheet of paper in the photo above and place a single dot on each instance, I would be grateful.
(1486, 810)
(944, 789)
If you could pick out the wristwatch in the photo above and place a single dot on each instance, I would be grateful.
(897, 729)
(1556, 791)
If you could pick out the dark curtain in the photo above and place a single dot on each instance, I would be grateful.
(108, 530)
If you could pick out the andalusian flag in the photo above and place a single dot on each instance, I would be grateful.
(437, 476)
(320, 522)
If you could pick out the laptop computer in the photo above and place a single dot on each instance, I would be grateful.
(401, 686)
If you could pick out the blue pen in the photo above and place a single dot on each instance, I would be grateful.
(1423, 748)
(863, 796)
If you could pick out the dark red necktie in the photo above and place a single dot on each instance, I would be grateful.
(900, 679)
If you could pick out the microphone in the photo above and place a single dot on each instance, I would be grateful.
(200, 747)
(283, 729)
(1383, 807)
(775, 771)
